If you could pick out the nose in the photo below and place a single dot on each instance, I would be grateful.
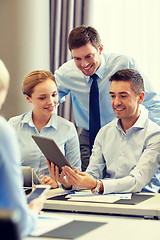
(117, 101)
(84, 63)
(50, 100)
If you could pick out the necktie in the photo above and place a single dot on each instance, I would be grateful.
(94, 112)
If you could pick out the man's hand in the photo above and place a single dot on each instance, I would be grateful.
(79, 179)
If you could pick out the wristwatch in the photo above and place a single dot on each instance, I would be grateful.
(96, 190)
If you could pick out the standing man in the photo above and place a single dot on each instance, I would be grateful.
(90, 93)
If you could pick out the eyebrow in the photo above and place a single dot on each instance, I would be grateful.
(44, 94)
(118, 93)
(84, 56)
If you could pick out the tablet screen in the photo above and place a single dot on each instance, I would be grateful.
(51, 151)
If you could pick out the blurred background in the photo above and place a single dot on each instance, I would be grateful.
(33, 35)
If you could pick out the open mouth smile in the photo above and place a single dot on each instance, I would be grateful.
(88, 68)
(119, 109)
(51, 108)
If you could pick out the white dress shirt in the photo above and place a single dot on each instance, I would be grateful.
(127, 162)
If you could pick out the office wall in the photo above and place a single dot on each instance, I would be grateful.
(131, 28)
(24, 46)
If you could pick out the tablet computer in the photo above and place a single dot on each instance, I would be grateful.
(51, 151)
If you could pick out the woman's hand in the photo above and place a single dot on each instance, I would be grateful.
(49, 181)
(56, 176)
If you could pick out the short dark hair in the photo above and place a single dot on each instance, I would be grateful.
(82, 35)
(130, 75)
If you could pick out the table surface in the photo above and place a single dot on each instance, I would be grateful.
(149, 207)
(118, 227)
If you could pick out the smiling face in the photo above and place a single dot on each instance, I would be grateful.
(125, 102)
(87, 58)
(44, 98)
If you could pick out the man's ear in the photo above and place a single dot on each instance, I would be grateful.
(100, 48)
(28, 99)
(141, 97)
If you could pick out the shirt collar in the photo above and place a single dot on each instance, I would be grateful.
(100, 70)
(53, 122)
(28, 118)
(141, 121)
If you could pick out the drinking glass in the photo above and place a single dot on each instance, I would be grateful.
(41, 174)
